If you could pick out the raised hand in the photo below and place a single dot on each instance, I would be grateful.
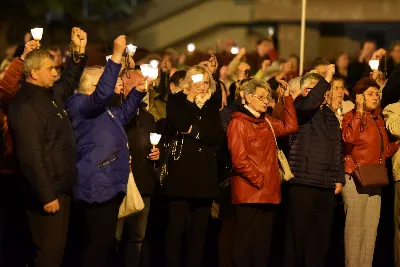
(330, 71)
(283, 87)
(52, 207)
(379, 54)
(119, 49)
(29, 46)
(79, 39)
(142, 85)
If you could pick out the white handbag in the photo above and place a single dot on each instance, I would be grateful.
(284, 168)
(131, 204)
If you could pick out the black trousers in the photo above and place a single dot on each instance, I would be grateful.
(99, 223)
(309, 222)
(253, 235)
(180, 211)
(49, 233)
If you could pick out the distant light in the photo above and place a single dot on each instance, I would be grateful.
(271, 31)
(191, 47)
(235, 50)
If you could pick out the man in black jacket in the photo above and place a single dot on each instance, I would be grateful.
(46, 147)
(316, 161)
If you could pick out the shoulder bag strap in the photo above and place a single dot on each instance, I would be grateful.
(380, 141)
(272, 129)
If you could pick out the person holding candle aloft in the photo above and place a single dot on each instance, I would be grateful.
(46, 148)
(103, 154)
(192, 182)
(140, 131)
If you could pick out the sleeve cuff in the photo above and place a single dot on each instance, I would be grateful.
(195, 133)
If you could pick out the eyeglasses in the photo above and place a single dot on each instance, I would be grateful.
(263, 99)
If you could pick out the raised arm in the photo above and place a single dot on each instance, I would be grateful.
(29, 141)
(69, 80)
(289, 123)
(97, 102)
(237, 144)
(314, 99)
(127, 109)
(9, 85)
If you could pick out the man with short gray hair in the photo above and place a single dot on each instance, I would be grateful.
(46, 147)
(316, 161)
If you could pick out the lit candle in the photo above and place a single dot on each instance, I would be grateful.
(374, 64)
(154, 139)
(197, 78)
(37, 33)
(154, 64)
(130, 49)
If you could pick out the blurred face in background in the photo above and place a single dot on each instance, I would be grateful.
(342, 61)
(321, 69)
(57, 57)
(368, 50)
(222, 73)
(295, 63)
(243, 70)
(396, 54)
(264, 47)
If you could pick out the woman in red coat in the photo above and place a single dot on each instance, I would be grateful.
(256, 180)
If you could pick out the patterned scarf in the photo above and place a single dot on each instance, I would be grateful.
(200, 101)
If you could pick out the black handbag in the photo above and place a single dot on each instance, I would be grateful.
(162, 166)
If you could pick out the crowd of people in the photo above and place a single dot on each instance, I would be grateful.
(240, 135)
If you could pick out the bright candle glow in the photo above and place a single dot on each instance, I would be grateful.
(37, 33)
(130, 49)
(149, 71)
(191, 48)
(155, 138)
(197, 78)
(374, 64)
(108, 57)
(154, 64)
(234, 50)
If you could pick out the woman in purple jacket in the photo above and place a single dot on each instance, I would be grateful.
(102, 155)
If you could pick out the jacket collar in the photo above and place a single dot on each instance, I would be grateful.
(37, 89)
(247, 115)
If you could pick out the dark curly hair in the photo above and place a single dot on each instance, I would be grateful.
(363, 85)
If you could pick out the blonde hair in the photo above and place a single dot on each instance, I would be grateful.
(185, 84)
(87, 82)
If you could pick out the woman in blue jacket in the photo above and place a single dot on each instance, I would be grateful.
(102, 155)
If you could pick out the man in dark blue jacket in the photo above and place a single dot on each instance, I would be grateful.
(317, 164)
(103, 154)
